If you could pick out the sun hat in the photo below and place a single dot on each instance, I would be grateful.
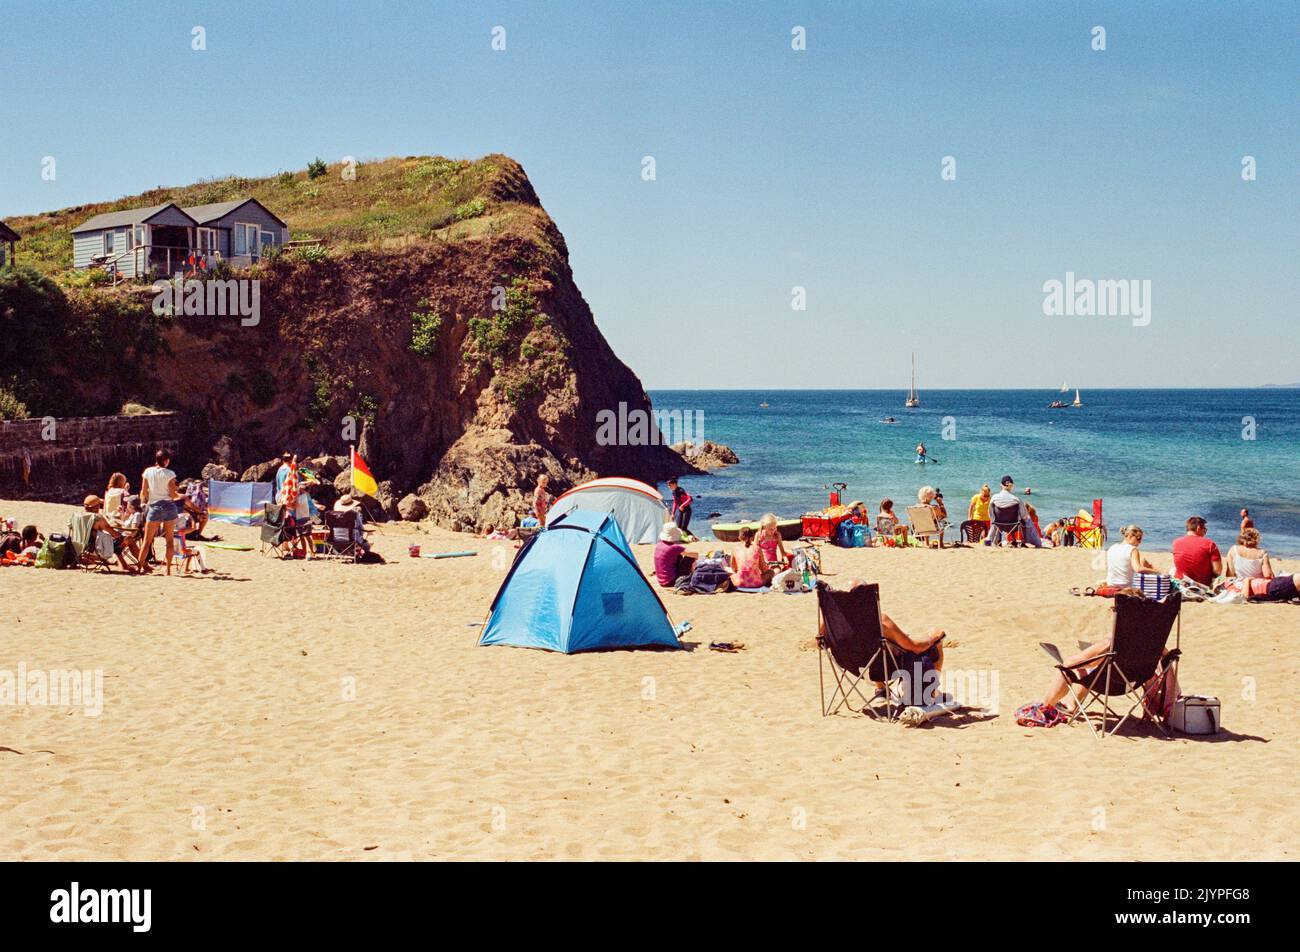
(670, 533)
(91, 502)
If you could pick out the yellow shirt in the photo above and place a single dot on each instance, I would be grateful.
(979, 508)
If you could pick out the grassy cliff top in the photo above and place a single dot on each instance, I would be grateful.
(381, 203)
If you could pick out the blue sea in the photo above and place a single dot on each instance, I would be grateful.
(1154, 456)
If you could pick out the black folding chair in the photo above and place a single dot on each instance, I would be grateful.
(274, 531)
(1006, 521)
(972, 530)
(852, 644)
(1137, 655)
(344, 536)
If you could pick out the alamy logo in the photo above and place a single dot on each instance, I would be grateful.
(103, 905)
(641, 428)
(53, 688)
(1084, 297)
(214, 297)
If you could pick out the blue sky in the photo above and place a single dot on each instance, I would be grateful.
(775, 168)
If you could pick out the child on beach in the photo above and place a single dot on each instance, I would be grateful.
(748, 567)
(769, 540)
(681, 510)
(542, 499)
(887, 524)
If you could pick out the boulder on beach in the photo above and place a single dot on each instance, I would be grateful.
(706, 455)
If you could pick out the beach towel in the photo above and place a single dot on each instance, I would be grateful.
(1040, 715)
(755, 591)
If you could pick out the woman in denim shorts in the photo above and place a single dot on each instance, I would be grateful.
(159, 495)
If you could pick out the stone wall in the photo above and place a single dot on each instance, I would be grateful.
(83, 453)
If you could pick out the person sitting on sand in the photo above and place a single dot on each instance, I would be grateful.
(493, 534)
(926, 650)
(1251, 572)
(1196, 557)
(769, 540)
(1037, 536)
(748, 567)
(347, 503)
(672, 559)
(887, 524)
(24, 547)
(1124, 560)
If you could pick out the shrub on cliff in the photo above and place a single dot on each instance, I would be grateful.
(11, 408)
(33, 316)
(426, 325)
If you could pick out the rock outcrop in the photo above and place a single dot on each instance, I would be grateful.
(706, 455)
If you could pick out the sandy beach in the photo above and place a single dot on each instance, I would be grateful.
(290, 710)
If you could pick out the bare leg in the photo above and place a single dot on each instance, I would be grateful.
(1060, 686)
(169, 528)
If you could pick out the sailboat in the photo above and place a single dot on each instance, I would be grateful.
(912, 399)
(1064, 388)
(1077, 402)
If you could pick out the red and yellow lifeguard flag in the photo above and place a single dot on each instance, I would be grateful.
(362, 480)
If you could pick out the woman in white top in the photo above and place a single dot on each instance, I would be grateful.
(1246, 559)
(1124, 560)
(158, 495)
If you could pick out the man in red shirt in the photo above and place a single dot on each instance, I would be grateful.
(1196, 557)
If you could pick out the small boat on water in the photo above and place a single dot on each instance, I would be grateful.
(1057, 405)
(1077, 402)
(1064, 388)
(790, 529)
(763, 404)
(913, 398)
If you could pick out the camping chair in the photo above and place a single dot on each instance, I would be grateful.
(924, 525)
(1089, 533)
(851, 642)
(275, 533)
(81, 532)
(973, 530)
(1005, 520)
(345, 535)
(888, 527)
(1137, 655)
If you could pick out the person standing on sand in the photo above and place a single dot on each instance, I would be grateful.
(979, 505)
(542, 499)
(681, 511)
(158, 495)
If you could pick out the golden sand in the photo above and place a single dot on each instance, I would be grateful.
(290, 710)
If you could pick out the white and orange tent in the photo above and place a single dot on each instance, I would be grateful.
(638, 508)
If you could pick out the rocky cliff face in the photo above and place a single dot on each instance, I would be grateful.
(463, 363)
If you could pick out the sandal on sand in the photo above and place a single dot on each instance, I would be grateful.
(727, 646)
(1087, 591)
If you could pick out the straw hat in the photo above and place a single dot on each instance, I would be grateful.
(91, 502)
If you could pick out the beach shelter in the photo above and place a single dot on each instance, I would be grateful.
(575, 586)
(238, 503)
(637, 506)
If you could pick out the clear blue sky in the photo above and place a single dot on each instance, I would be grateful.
(775, 168)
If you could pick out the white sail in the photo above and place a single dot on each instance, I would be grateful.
(1064, 387)
(912, 399)
(1077, 401)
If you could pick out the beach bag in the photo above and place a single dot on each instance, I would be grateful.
(806, 558)
(706, 579)
(790, 582)
(56, 553)
(1159, 693)
(1193, 714)
(1154, 585)
(851, 535)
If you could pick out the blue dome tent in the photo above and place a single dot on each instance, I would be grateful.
(575, 586)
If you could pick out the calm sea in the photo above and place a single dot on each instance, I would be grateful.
(1154, 456)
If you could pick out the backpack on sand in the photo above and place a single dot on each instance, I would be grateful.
(56, 553)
